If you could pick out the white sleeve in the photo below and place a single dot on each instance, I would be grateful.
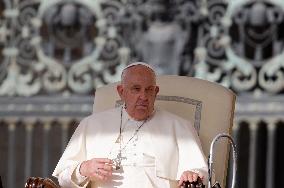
(191, 156)
(77, 177)
(74, 154)
(67, 178)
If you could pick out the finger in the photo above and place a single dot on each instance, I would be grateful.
(105, 172)
(101, 177)
(103, 160)
(100, 174)
(107, 167)
(183, 178)
(189, 177)
(180, 182)
(194, 177)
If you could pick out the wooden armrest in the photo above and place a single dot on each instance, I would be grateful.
(37, 182)
(196, 184)
(193, 185)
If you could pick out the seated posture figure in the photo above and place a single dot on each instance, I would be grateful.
(134, 145)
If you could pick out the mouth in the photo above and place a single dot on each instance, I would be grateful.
(142, 106)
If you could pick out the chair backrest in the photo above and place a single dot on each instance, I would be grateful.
(209, 106)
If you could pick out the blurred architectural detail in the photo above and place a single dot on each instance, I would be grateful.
(258, 132)
(59, 46)
(34, 132)
(75, 46)
(159, 31)
(243, 46)
(162, 46)
(54, 54)
(259, 42)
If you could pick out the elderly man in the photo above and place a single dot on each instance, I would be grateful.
(135, 145)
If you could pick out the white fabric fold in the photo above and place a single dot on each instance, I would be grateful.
(176, 147)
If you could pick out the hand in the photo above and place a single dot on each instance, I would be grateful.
(99, 168)
(189, 176)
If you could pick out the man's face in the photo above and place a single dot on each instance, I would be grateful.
(138, 90)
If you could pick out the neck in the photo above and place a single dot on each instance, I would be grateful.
(131, 116)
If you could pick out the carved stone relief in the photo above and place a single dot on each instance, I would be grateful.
(71, 47)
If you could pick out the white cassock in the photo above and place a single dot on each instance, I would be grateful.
(164, 147)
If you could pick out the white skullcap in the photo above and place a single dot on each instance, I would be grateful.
(138, 63)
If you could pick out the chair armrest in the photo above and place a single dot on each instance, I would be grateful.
(38, 182)
(196, 184)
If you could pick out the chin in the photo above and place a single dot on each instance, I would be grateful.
(141, 115)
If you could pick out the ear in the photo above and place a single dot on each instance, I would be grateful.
(119, 89)
(157, 89)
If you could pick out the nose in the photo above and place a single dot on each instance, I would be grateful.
(143, 95)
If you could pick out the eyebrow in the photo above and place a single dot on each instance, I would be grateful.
(137, 85)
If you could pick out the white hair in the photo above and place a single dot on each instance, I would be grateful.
(139, 63)
(136, 64)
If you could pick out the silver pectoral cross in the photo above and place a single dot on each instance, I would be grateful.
(117, 161)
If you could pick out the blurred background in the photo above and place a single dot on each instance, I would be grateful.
(55, 53)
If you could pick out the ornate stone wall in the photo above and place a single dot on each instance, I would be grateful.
(73, 46)
(54, 54)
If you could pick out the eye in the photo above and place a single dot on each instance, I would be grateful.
(150, 90)
(135, 89)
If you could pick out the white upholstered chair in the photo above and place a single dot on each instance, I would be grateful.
(209, 106)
